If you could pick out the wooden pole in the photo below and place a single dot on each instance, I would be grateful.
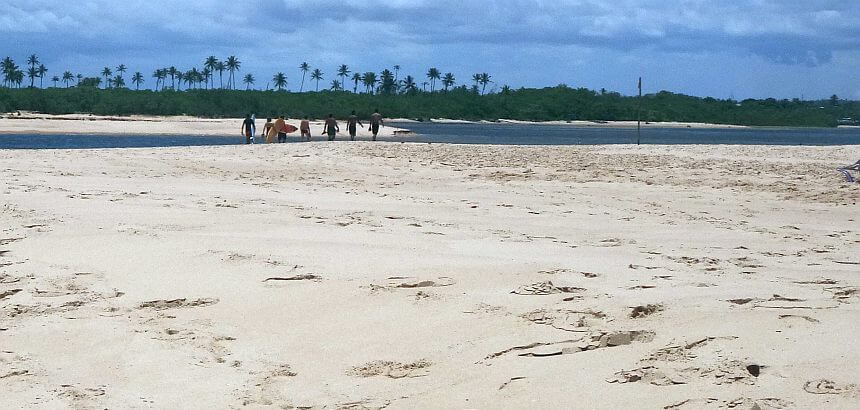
(639, 115)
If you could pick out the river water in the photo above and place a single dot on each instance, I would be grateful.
(505, 134)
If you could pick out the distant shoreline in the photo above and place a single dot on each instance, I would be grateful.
(89, 124)
(579, 123)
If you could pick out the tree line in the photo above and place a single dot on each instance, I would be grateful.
(396, 97)
(560, 103)
(386, 82)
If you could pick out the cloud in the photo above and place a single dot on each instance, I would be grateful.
(272, 34)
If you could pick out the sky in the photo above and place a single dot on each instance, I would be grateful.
(721, 48)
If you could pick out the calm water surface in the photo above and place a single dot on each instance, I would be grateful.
(505, 134)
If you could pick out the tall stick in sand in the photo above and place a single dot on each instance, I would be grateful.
(639, 115)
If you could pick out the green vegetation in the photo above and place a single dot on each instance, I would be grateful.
(557, 103)
(396, 98)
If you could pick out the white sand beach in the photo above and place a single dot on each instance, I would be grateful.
(36, 123)
(362, 275)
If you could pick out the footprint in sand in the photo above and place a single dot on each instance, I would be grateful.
(545, 288)
(407, 282)
(162, 304)
(739, 403)
(303, 277)
(593, 341)
(268, 388)
(824, 386)
(676, 364)
(645, 310)
(393, 370)
(562, 271)
(567, 320)
(13, 366)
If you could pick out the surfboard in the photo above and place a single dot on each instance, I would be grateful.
(288, 128)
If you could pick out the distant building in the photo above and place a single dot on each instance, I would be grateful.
(848, 121)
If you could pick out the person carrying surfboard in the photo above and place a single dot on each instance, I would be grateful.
(266, 127)
(281, 129)
(249, 128)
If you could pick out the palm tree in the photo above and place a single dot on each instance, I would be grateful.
(171, 71)
(79, 77)
(356, 77)
(476, 78)
(409, 84)
(317, 75)
(305, 68)
(387, 85)
(484, 80)
(280, 81)
(159, 75)
(137, 79)
(106, 72)
(433, 74)
(195, 77)
(121, 69)
(67, 76)
(18, 78)
(42, 71)
(32, 61)
(249, 81)
(369, 80)
(118, 82)
(342, 72)
(206, 74)
(7, 66)
(448, 81)
(233, 64)
(190, 79)
(211, 64)
(220, 67)
(180, 76)
(55, 80)
(32, 73)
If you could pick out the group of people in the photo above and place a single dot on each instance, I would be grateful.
(279, 128)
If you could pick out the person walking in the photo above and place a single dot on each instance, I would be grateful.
(266, 128)
(280, 127)
(331, 127)
(375, 121)
(249, 128)
(305, 128)
(351, 125)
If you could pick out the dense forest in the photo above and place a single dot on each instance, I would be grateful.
(556, 103)
(393, 96)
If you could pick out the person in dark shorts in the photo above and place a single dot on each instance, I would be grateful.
(305, 129)
(280, 127)
(330, 127)
(248, 129)
(375, 122)
(351, 125)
